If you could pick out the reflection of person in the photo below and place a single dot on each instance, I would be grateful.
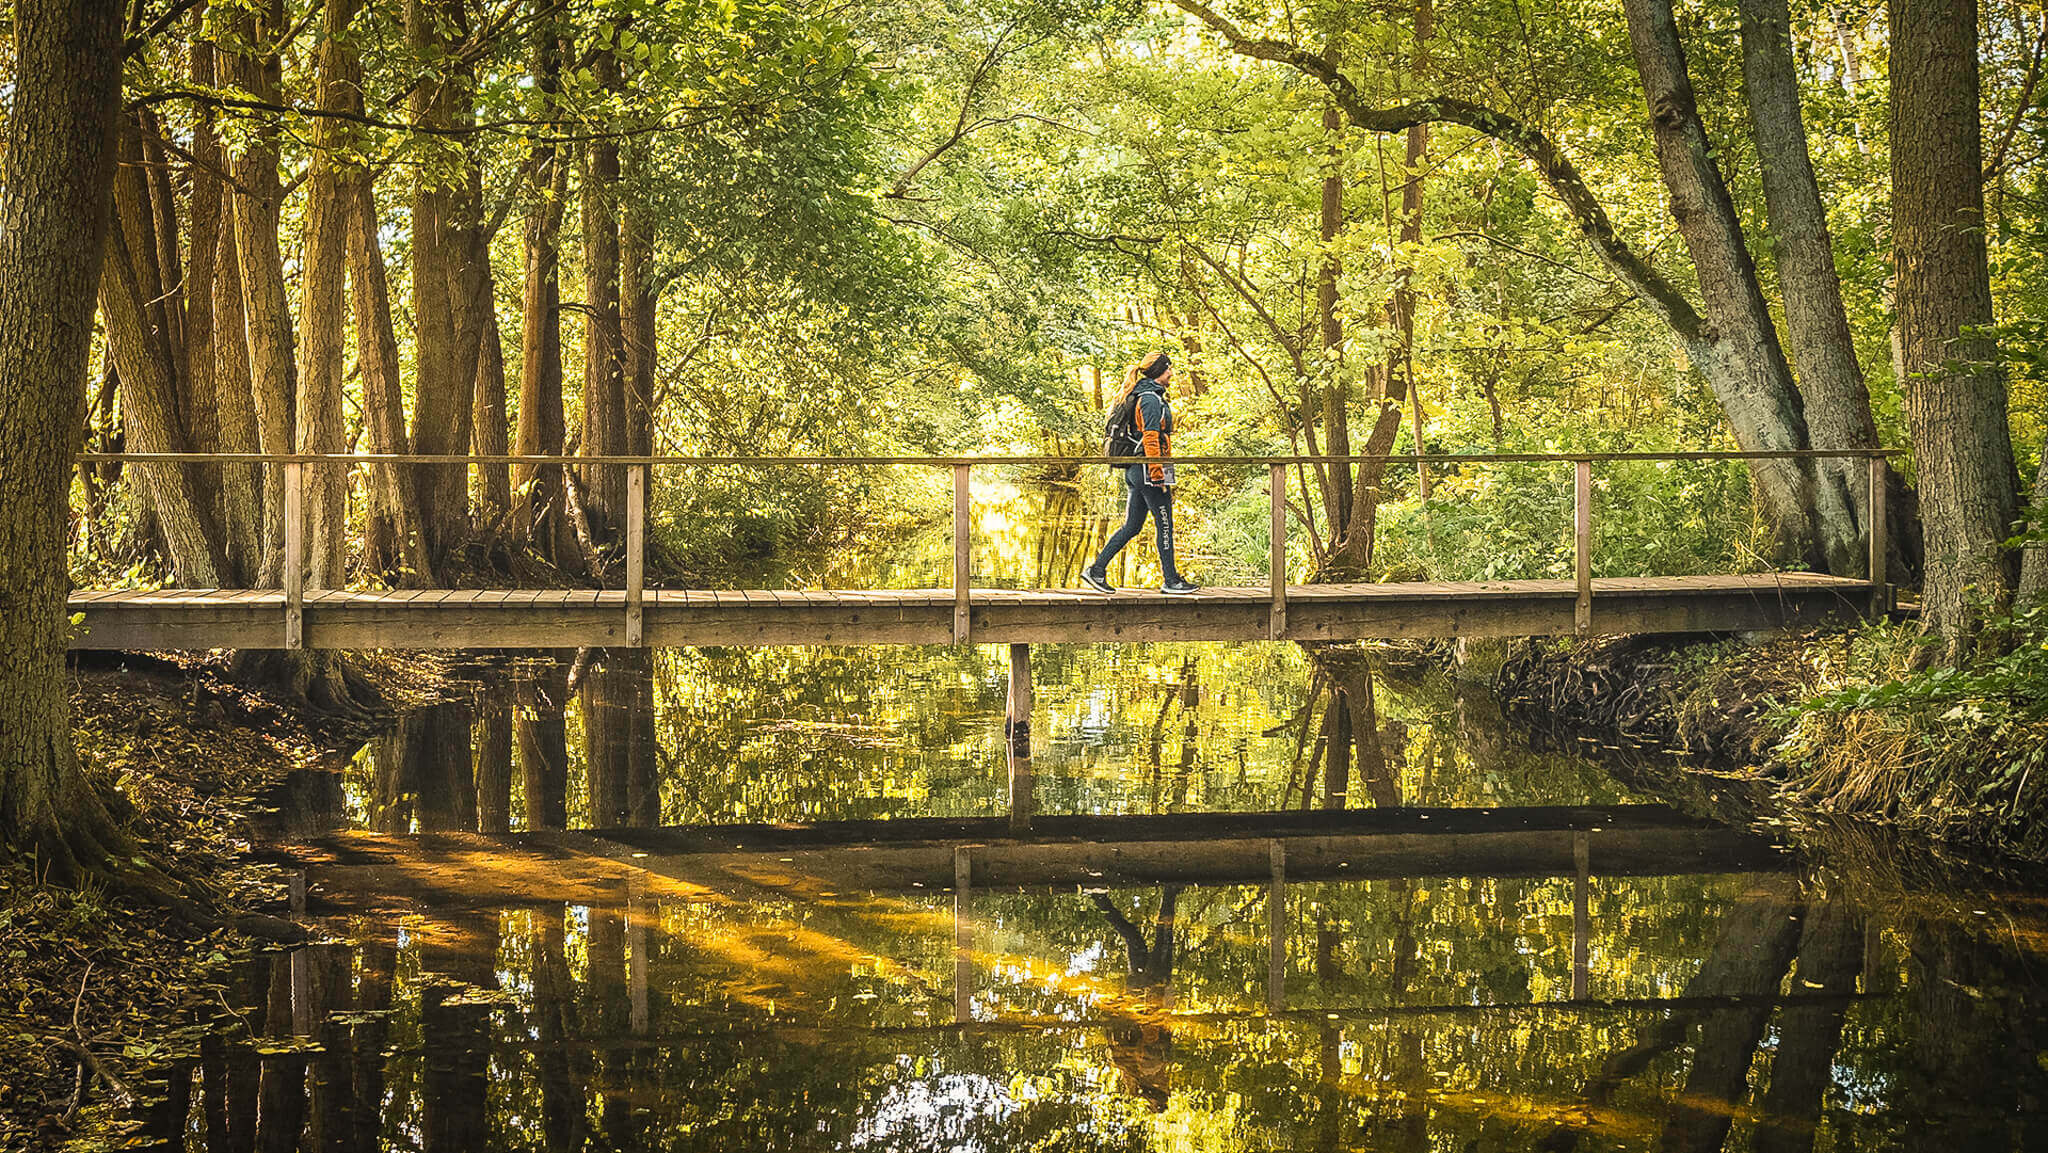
(1149, 485)
(1141, 1044)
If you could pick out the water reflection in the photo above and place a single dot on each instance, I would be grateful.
(1311, 911)
(716, 736)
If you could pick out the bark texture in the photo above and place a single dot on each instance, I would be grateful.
(1750, 376)
(55, 204)
(537, 489)
(1955, 386)
(1837, 402)
(322, 311)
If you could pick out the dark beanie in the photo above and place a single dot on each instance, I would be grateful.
(1156, 367)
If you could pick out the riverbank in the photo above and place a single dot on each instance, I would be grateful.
(1835, 723)
(88, 980)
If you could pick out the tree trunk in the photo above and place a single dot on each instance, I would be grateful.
(54, 211)
(1837, 403)
(266, 306)
(538, 488)
(1743, 360)
(2034, 561)
(322, 319)
(637, 300)
(1955, 387)
(235, 409)
(139, 338)
(394, 521)
(604, 386)
(443, 220)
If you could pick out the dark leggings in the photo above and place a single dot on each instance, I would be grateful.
(1144, 498)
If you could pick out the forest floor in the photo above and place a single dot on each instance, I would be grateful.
(1816, 726)
(88, 980)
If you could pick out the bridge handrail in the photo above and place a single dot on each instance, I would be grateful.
(955, 461)
(962, 468)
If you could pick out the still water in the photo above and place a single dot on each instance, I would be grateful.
(1547, 966)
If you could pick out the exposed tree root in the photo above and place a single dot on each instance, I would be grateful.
(91, 848)
(322, 681)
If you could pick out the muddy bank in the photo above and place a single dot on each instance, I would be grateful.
(186, 757)
(1732, 722)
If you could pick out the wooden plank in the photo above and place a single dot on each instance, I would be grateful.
(1582, 544)
(962, 551)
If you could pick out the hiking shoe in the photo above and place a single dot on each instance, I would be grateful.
(1099, 584)
(1180, 588)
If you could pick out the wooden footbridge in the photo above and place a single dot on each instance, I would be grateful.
(294, 617)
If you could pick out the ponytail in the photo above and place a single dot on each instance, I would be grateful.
(1150, 366)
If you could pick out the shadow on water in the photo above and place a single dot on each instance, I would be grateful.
(1275, 901)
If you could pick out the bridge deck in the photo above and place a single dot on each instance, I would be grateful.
(472, 618)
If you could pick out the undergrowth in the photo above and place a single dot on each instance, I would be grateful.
(1960, 753)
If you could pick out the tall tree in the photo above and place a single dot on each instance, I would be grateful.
(323, 303)
(1955, 385)
(538, 489)
(1733, 344)
(444, 220)
(55, 204)
(604, 368)
(1836, 400)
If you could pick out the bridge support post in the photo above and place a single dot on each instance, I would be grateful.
(636, 552)
(962, 550)
(1017, 741)
(1880, 544)
(1276, 930)
(963, 936)
(294, 556)
(1582, 918)
(1582, 545)
(1277, 485)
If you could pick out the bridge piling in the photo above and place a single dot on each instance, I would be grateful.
(1017, 741)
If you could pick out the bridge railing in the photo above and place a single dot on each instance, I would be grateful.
(634, 536)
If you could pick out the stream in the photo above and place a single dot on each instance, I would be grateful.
(515, 991)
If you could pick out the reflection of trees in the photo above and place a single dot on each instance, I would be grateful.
(1756, 946)
(540, 732)
(619, 740)
(1342, 712)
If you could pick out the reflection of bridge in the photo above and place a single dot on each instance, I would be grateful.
(294, 617)
(444, 872)
(905, 854)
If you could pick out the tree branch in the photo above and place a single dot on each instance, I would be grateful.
(1557, 169)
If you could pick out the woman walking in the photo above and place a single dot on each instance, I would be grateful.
(1148, 432)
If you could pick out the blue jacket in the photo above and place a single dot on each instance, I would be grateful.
(1155, 433)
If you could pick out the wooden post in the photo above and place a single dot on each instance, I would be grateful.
(962, 550)
(1880, 544)
(1276, 930)
(1277, 484)
(294, 556)
(636, 552)
(963, 936)
(1582, 544)
(1017, 741)
(1582, 918)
